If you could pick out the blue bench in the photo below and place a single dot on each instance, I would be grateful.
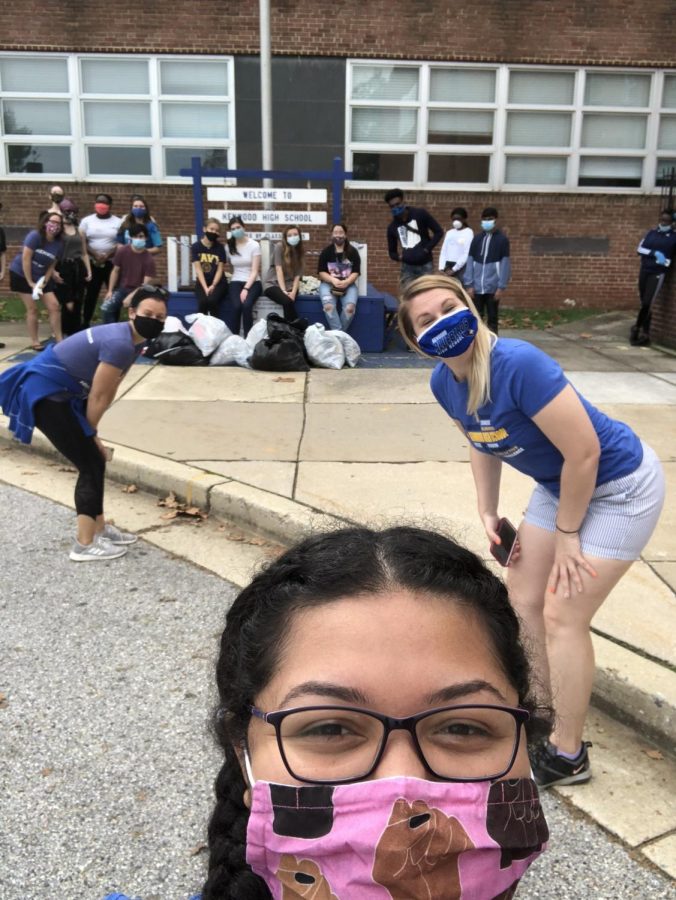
(368, 327)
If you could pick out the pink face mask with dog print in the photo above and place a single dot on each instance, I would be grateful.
(395, 839)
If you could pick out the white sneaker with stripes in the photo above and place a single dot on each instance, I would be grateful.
(115, 536)
(99, 550)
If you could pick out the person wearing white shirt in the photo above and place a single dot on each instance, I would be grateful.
(100, 233)
(456, 244)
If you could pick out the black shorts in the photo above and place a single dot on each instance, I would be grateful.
(19, 285)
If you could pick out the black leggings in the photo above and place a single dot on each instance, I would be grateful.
(100, 276)
(58, 423)
(209, 303)
(277, 294)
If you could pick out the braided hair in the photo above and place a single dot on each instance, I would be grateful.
(350, 562)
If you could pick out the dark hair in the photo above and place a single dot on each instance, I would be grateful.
(663, 212)
(108, 199)
(232, 242)
(42, 222)
(460, 211)
(130, 219)
(149, 292)
(137, 228)
(391, 194)
(489, 213)
(319, 570)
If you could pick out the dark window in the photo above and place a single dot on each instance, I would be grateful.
(463, 169)
(383, 166)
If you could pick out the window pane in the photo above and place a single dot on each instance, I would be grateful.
(119, 160)
(193, 120)
(547, 88)
(667, 138)
(602, 171)
(382, 166)
(36, 117)
(536, 170)
(666, 172)
(458, 168)
(538, 129)
(669, 97)
(384, 83)
(117, 119)
(38, 158)
(104, 76)
(34, 74)
(193, 77)
(384, 126)
(460, 127)
(462, 85)
(617, 90)
(176, 158)
(616, 132)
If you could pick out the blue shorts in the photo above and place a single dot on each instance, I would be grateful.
(621, 516)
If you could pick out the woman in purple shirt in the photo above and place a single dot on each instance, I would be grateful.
(41, 251)
(66, 391)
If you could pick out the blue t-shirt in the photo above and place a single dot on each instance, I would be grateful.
(44, 254)
(523, 381)
(81, 353)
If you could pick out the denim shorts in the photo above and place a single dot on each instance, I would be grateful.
(621, 516)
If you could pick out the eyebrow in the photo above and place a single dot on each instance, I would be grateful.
(464, 689)
(325, 689)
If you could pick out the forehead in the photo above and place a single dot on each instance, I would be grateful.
(148, 304)
(396, 648)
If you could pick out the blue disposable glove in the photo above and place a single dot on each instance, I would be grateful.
(660, 257)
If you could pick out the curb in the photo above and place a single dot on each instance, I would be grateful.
(630, 688)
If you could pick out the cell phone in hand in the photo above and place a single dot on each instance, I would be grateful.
(507, 534)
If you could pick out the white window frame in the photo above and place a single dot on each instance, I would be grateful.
(78, 141)
(499, 151)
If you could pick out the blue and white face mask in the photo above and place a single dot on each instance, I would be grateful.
(450, 335)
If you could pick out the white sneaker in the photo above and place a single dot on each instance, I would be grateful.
(99, 549)
(115, 536)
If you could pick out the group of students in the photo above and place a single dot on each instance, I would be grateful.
(481, 262)
(64, 262)
(346, 762)
(338, 269)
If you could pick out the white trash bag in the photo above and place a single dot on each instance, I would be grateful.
(323, 347)
(173, 324)
(257, 333)
(350, 346)
(207, 331)
(234, 349)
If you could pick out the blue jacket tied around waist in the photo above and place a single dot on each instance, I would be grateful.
(24, 385)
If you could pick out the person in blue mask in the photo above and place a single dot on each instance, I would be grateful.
(133, 266)
(411, 236)
(488, 268)
(657, 251)
(598, 495)
(139, 214)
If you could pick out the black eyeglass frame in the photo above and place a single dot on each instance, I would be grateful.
(391, 723)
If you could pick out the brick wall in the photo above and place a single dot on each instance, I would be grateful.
(607, 32)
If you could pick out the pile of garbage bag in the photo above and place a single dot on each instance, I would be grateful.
(272, 345)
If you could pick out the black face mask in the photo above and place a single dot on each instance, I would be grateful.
(148, 327)
(57, 198)
(210, 236)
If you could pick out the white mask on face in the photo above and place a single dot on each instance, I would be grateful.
(457, 224)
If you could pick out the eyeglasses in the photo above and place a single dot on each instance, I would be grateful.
(339, 744)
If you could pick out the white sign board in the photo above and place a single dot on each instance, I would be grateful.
(267, 195)
(273, 235)
(271, 216)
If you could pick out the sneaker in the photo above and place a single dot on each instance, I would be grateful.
(115, 536)
(549, 768)
(99, 549)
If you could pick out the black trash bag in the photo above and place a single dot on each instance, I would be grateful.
(283, 350)
(175, 349)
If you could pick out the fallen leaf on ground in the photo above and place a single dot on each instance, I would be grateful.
(176, 508)
(28, 472)
(129, 489)
(197, 849)
(654, 754)
(281, 378)
(46, 771)
(585, 334)
(4, 701)
(170, 501)
(170, 515)
(67, 469)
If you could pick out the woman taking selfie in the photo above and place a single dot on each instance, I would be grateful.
(346, 761)
(285, 272)
(598, 495)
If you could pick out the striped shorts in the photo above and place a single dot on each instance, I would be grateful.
(621, 516)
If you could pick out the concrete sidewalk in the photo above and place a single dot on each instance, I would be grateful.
(283, 453)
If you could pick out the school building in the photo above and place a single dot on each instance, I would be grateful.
(560, 114)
